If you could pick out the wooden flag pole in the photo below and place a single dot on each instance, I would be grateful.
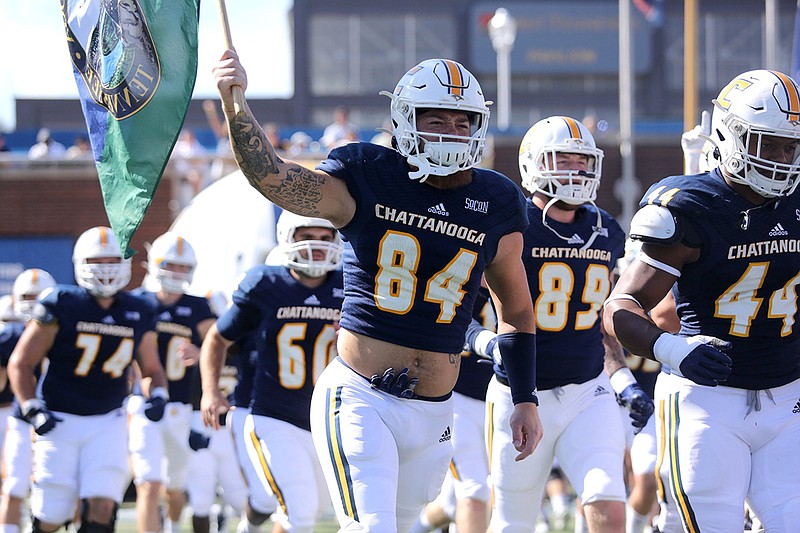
(238, 93)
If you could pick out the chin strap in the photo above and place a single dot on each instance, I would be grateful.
(423, 168)
(596, 230)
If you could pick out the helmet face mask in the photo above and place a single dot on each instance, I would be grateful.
(171, 261)
(93, 271)
(299, 255)
(440, 84)
(28, 286)
(548, 141)
(754, 109)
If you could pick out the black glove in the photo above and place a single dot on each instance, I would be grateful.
(401, 386)
(154, 407)
(639, 405)
(699, 358)
(42, 419)
(198, 441)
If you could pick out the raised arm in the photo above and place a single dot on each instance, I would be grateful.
(285, 183)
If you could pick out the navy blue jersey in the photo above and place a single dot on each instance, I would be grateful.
(743, 289)
(88, 362)
(9, 335)
(414, 254)
(245, 371)
(569, 283)
(175, 324)
(474, 376)
(295, 328)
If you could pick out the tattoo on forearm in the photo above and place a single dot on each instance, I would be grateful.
(254, 153)
(454, 358)
(298, 191)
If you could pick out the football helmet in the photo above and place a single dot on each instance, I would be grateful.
(28, 286)
(171, 249)
(756, 104)
(438, 84)
(538, 163)
(100, 279)
(299, 255)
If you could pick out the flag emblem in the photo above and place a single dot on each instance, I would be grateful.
(115, 55)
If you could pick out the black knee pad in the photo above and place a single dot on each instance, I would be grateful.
(94, 527)
(36, 525)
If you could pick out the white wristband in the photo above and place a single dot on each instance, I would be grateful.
(159, 392)
(622, 379)
(29, 405)
(671, 350)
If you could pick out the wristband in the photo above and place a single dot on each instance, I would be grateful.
(622, 379)
(159, 392)
(518, 351)
(29, 405)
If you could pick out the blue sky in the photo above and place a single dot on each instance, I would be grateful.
(36, 63)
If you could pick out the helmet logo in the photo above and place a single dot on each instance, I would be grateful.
(738, 84)
(453, 77)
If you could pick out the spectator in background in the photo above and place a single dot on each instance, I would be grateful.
(46, 147)
(190, 166)
(224, 163)
(299, 144)
(80, 149)
(273, 132)
(3, 146)
(341, 131)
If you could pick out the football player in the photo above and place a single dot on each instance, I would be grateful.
(89, 334)
(182, 321)
(294, 310)
(571, 248)
(724, 242)
(422, 225)
(17, 433)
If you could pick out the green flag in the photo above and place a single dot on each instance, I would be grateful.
(135, 63)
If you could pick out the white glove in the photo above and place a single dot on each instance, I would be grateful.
(692, 144)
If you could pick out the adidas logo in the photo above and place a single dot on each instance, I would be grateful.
(796, 408)
(575, 239)
(108, 319)
(446, 435)
(776, 231)
(439, 209)
(599, 391)
(311, 300)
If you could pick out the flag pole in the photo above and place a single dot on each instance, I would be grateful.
(238, 94)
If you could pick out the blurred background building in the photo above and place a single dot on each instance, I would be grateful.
(565, 60)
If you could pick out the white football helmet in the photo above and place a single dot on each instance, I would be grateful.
(28, 286)
(299, 254)
(438, 84)
(171, 248)
(100, 279)
(538, 166)
(757, 103)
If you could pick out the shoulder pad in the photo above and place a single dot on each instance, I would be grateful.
(656, 224)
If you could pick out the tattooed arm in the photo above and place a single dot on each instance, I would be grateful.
(285, 183)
